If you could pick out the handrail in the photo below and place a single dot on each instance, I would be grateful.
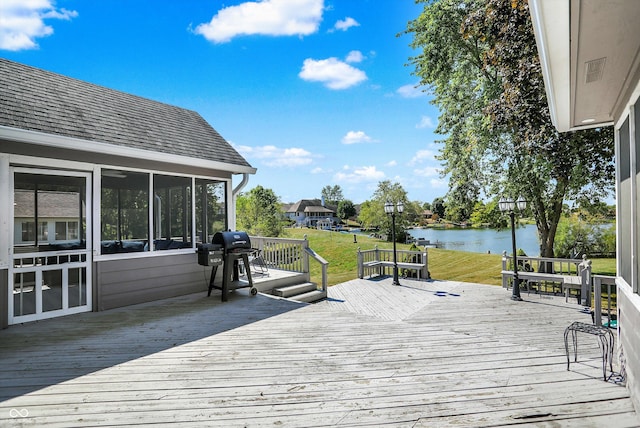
(289, 254)
(559, 266)
(598, 282)
(324, 265)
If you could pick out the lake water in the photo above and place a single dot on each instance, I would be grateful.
(482, 240)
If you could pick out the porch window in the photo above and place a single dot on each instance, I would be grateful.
(124, 212)
(211, 205)
(40, 202)
(171, 212)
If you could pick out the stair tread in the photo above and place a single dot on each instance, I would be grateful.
(291, 290)
(310, 296)
(291, 287)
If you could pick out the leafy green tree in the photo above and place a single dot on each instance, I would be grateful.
(372, 214)
(488, 215)
(577, 237)
(332, 194)
(479, 60)
(438, 207)
(369, 216)
(259, 212)
(394, 193)
(346, 209)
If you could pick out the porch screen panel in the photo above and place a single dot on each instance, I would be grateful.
(172, 212)
(24, 293)
(124, 212)
(52, 289)
(211, 209)
(625, 198)
(41, 202)
(77, 290)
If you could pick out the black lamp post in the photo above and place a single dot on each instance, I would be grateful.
(509, 205)
(390, 209)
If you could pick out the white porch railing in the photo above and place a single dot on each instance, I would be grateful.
(380, 261)
(569, 274)
(289, 254)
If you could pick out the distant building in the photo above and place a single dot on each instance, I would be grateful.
(307, 212)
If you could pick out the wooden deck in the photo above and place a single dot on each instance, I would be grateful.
(426, 354)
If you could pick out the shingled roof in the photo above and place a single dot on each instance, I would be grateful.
(37, 100)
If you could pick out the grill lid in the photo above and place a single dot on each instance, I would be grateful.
(232, 240)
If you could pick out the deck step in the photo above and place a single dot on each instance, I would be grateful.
(293, 290)
(310, 296)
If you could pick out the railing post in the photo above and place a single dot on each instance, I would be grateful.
(360, 264)
(324, 277)
(425, 272)
(305, 257)
(505, 280)
(597, 295)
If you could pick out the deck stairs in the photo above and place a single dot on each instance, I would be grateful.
(304, 292)
(288, 285)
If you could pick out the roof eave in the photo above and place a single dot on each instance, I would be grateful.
(551, 26)
(62, 142)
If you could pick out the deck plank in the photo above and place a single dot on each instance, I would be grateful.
(427, 353)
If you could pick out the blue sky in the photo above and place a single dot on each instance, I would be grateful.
(310, 92)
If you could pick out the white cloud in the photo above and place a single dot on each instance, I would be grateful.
(429, 171)
(361, 174)
(354, 56)
(425, 122)
(439, 183)
(354, 137)
(22, 21)
(410, 91)
(266, 17)
(421, 156)
(334, 73)
(277, 157)
(345, 24)
(392, 163)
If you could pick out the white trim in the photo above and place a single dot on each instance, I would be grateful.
(194, 203)
(633, 200)
(87, 264)
(61, 142)
(96, 203)
(618, 191)
(6, 202)
(551, 26)
(32, 161)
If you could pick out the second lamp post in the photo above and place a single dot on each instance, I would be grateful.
(391, 209)
(509, 205)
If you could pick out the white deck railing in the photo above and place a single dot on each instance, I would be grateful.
(380, 261)
(289, 254)
(557, 270)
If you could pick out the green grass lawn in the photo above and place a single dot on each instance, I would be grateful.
(340, 251)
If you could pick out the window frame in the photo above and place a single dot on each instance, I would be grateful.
(97, 254)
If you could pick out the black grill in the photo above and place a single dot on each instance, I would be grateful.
(232, 241)
(233, 246)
